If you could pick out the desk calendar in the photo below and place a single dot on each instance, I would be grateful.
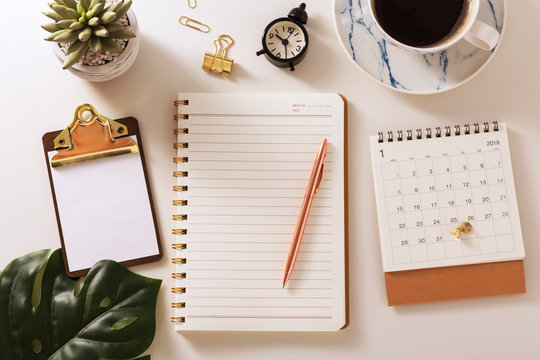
(429, 181)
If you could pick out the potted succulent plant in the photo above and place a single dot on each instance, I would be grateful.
(95, 39)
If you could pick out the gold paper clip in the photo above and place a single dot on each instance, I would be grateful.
(464, 228)
(192, 3)
(184, 20)
(218, 62)
(91, 136)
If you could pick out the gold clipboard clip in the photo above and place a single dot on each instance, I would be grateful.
(218, 62)
(91, 136)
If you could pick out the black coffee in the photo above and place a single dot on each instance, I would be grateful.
(420, 23)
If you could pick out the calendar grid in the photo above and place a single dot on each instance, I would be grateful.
(456, 176)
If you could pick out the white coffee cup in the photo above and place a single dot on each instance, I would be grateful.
(474, 31)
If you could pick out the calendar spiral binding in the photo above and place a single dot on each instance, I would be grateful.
(438, 132)
(178, 246)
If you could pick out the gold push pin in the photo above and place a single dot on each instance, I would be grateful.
(464, 228)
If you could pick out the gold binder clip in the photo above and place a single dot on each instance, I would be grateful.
(194, 24)
(464, 228)
(91, 136)
(218, 62)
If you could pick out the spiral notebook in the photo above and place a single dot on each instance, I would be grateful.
(244, 161)
(427, 183)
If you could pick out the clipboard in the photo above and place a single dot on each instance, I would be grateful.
(101, 193)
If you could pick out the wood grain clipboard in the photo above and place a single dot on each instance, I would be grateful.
(131, 125)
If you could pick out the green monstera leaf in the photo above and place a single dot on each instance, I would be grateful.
(44, 314)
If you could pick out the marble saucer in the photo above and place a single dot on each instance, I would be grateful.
(406, 72)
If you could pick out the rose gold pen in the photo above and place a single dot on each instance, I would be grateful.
(311, 190)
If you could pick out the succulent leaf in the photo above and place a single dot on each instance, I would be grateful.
(97, 9)
(53, 35)
(101, 31)
(77, 26)
(123, 9)
(95, 43)
(121, 34)
(51, 27)
(85, 3)
(93, 3)
(60, 2)
(68, 36)
(107, 17)
(113, 27)
(52, 15)
(93, 21)
(80, 9)
(70, 3)
(73, 46)
(64, 11)
(65, 24)
(76, 54)
(83, 18)
(111, 45)
(115, 6)
(85, 34)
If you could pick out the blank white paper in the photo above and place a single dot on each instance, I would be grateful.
(104, 211)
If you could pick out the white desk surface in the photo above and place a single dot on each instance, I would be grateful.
(37, 96)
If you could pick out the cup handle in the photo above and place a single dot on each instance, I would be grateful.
(482, 36)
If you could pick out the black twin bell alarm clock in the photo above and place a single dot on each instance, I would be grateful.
(285, 40)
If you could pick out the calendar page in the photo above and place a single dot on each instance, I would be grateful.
(429, 182)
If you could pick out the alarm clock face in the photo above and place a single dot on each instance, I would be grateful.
(285, 40)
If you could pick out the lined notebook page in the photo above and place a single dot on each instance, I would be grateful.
(249, 159)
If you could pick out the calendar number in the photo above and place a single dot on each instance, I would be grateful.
(404, 242)
(493, 142)
(382, 152)
(422, 241)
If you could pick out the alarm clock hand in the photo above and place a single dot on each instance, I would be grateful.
(279, 37)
